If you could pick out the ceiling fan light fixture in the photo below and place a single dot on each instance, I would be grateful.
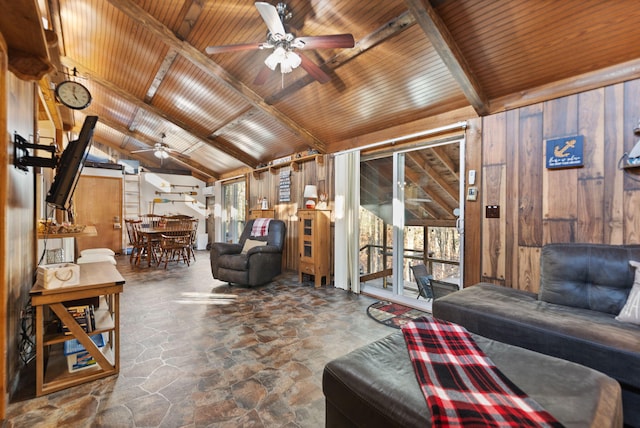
(161, 154)
(288, 60)
(274, 58)
(292, 60)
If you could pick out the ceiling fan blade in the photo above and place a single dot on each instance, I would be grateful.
(313, 70)
(210, 50)
(142, 151)
(262, 76)
(270, 16)
(326, 42)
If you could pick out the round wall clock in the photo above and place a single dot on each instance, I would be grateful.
(73, 94)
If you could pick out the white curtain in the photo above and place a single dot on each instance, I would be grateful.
(347, 226)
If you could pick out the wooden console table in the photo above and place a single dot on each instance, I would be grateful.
(100, 280)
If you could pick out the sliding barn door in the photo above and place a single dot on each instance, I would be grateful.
(98, 202)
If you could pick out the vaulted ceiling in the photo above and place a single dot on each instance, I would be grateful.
(144, 61)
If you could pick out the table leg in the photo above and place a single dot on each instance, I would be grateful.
(39, 350)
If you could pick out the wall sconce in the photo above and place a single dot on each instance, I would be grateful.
(310, 194)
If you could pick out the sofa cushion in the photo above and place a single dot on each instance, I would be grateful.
(631, 310)
(589, 276)
(594, 339)
(233, 261)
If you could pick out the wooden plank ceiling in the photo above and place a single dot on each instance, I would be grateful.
(145, 64)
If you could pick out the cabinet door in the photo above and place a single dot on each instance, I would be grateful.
(307, 238)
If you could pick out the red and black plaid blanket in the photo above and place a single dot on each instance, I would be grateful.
(260, 227)
(462, 386)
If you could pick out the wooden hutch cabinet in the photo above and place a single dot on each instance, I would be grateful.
(314, 229)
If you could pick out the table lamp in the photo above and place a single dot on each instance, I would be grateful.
(310, 194)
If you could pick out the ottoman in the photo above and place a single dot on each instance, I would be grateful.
(375, 386)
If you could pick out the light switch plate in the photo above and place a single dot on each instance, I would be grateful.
(472, 193)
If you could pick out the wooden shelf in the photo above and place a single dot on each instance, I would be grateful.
(24, 34)
(58, 377)
(634, 169)
(100, 280)
(104, 324)
(293, 163)
(88, 231)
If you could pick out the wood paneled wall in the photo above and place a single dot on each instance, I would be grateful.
(18, 235)
(267, 184)
(597, 203)
(4, 209)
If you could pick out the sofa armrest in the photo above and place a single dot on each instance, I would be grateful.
(222, 248)
(264, 249)
(219, 249)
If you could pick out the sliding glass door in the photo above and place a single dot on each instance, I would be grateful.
(233, 209)
(409, 208)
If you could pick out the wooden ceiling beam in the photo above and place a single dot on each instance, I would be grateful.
(442, 156)
(212, 68)
(52, 106)
(415, 178)
(443, 42)
(244, 114)
(385, 32)
(216, 142)
(190, 13)
(55, 53)
(189, 163)
(423, 166)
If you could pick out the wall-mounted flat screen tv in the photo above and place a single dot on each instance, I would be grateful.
(70, 166)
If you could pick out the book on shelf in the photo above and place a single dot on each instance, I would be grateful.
(74, 346)
(84, 316)
(78, 357)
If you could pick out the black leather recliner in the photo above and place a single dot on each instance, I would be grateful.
(257, 266)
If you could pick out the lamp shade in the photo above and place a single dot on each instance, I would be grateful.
(310, 191)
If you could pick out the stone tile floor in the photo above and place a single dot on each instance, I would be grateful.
(197, 352)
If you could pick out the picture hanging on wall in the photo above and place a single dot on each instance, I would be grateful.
(285, 185)
(565, 152)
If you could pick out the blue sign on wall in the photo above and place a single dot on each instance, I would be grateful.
(565, 152)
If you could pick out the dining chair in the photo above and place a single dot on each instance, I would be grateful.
(194, 234)
(144, 247)
(151, 221)
(174, 246)
(133, 238)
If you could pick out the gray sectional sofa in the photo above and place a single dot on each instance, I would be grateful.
(583, 287)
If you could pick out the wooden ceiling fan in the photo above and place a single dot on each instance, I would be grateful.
(285, 45)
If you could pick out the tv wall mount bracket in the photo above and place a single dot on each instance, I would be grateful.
(22, 159)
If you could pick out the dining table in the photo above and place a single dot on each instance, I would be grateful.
(152, 236)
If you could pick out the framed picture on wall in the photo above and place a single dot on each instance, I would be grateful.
(566, 152)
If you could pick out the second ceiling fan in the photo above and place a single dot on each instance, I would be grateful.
(284, 45)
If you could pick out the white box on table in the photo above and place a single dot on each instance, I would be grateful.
(58, 275)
